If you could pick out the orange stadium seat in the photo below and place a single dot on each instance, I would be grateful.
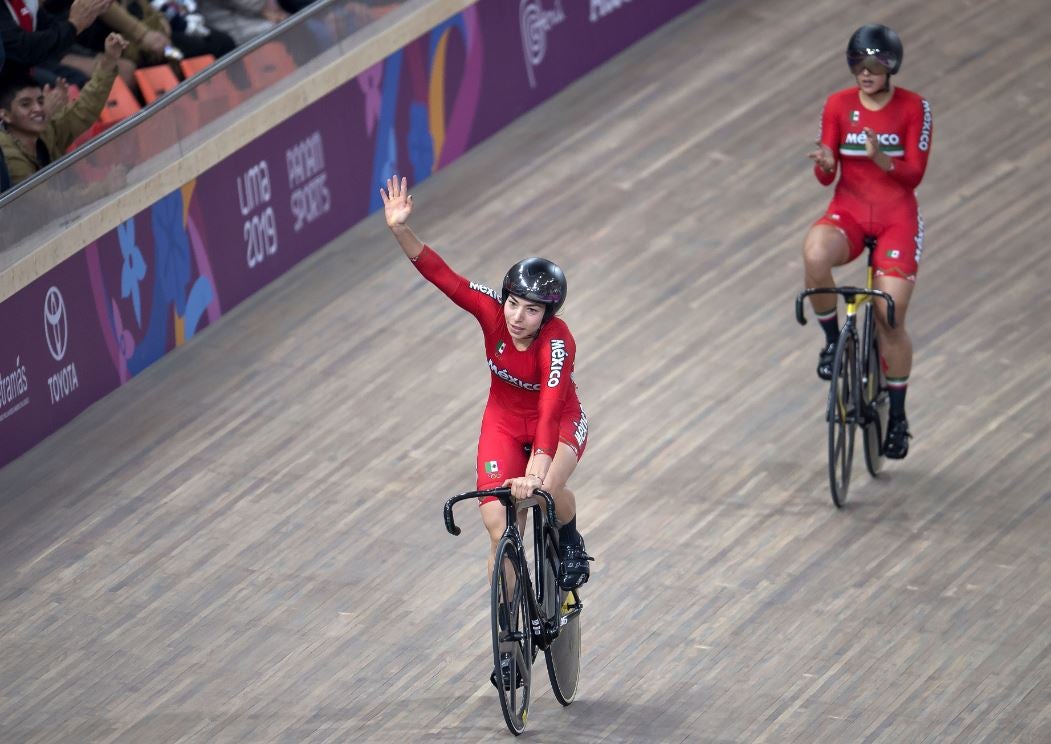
(155, 81)
(193, 65)
(121, 104)
(216, 95)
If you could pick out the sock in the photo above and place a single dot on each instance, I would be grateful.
(830, 325)
(567, 533)
(897, 387)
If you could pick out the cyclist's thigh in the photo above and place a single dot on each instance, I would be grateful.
(500, 454)
(836, 238)
(899, 246)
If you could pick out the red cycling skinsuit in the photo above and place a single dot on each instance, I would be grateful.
(869, 201)
(532, 396)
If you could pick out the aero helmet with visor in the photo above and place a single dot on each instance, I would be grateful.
(536, 280)
(877, 43)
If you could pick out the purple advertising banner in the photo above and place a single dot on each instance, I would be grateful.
(102, 316)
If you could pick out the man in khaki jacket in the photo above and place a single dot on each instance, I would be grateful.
(31, 139)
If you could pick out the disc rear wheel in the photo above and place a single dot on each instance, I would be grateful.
(563, 653)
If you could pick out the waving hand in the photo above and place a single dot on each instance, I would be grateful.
(397, 201)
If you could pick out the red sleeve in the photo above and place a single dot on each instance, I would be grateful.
(829, 137)
(909, 169)
(477, 299)
(556, 365)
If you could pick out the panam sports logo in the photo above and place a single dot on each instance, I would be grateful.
(602, 8)
(536, 22)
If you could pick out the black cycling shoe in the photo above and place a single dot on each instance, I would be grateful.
(824, 361)
(505, 674)
(896, 445)
(573, 568)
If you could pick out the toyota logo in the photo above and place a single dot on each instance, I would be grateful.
(55, 326)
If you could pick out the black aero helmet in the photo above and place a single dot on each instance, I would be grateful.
(878, 42)
(537, 280)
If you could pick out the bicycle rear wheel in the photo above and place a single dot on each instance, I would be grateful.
(875, 398)
(512, 639)
(842, 415)
(563, 653)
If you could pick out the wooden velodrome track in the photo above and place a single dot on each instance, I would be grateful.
(244, 544)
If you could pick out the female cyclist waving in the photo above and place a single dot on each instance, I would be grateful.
(880, 137)
(532, 396)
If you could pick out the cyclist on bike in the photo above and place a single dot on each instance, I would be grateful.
(532, 396)
(879, 135)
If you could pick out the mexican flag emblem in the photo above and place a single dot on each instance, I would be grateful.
(855, 115)
(491, 467)
(500, 347)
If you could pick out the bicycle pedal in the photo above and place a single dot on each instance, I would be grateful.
(505, 676)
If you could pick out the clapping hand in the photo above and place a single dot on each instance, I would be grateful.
(823, 157)
(871, 142)
(56, 97)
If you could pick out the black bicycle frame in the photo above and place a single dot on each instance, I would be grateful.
(544, 629)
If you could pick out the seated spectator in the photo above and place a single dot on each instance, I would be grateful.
(32, 138)
(154, 34)
(190, 31)
(33, 36)
(242, 19)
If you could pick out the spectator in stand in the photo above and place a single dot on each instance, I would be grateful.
(33, 36)
(190, 32)
(242, 19)
(32, 139)
(153, 32)
(5, 177)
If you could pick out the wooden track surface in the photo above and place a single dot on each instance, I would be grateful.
(244, 544)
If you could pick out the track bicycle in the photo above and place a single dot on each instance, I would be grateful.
(528, 618)
(857, 393)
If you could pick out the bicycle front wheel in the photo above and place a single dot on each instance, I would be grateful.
(842, 415)
(876, 399)
(562, 607)
(512, 638)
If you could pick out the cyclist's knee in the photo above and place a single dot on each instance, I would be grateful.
(824, 249)
(886, 331)
(494, 517)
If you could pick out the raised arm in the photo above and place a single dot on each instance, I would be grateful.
(397, 206)
(479, 300)
(77, 118)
